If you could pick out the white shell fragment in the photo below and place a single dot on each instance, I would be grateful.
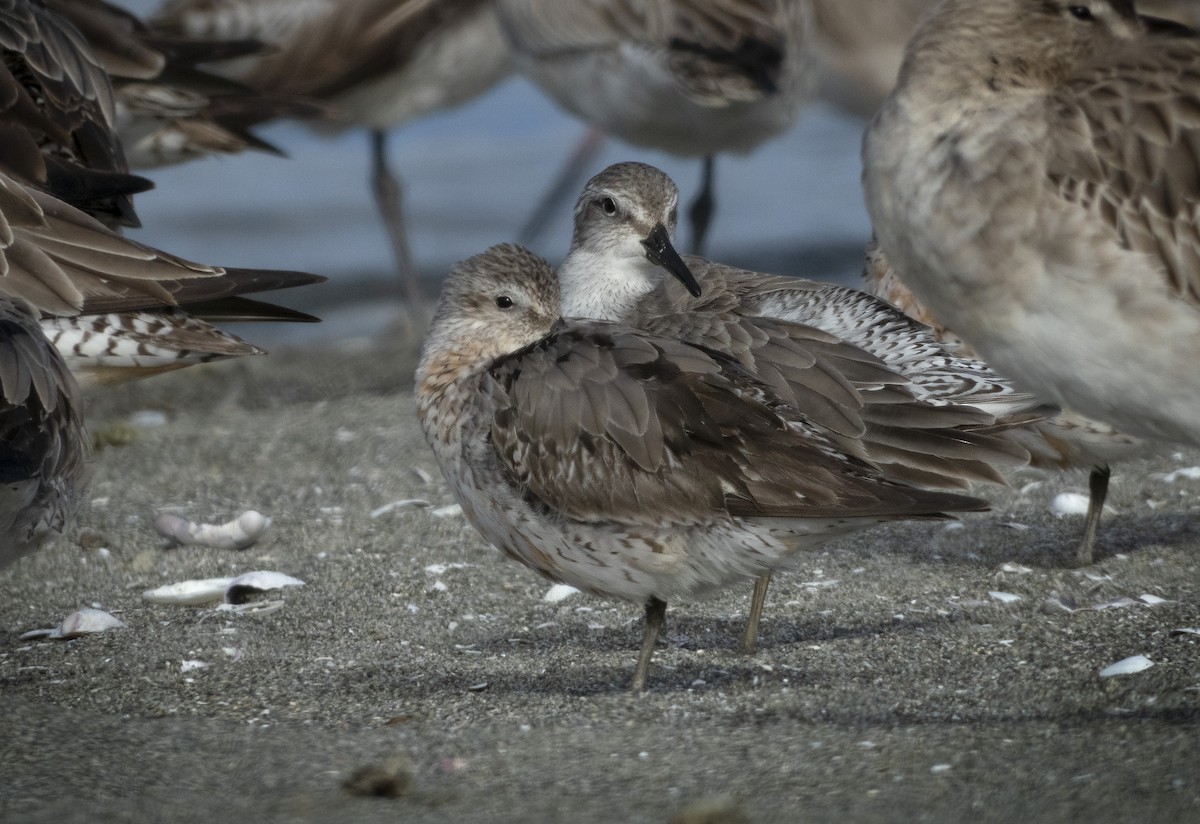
(1005, 597)
(259, 581)
(189, 593)
(231, 590)
(451, 511)
(148, 419)
(1191, 473)
(1127, 666)
(83, 622)
(407, 503)
(239, 533)
(559, 592)
(1069, 503)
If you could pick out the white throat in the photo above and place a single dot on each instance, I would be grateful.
(595, 285)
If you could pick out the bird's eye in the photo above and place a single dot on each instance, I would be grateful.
(504, 302)
(609, 206)
(1081, 13)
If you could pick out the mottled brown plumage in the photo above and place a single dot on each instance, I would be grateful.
(624, 463)
(42, 444)
(1035, 177)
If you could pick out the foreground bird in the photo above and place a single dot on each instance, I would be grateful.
(878, 384)
(693, 79)
(1034, 179)
(81, 304)
(1063, 441)
(624, 463)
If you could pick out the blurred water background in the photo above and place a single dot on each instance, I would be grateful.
(471, 178)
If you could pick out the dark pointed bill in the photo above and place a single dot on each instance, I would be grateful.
(660, 252)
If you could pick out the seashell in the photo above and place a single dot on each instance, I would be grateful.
(148, 419)
(252, 608)
(1191, 473)
(240, 588)
(189, 593)
(1004, 597)
(407, 503)
(440, 569)
(559, 592)
(232, 590)
(1070, 503)
(451, 511)
(1127, 666)
(82, 622)
(239, 533)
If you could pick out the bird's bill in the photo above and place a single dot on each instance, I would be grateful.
(660, 252)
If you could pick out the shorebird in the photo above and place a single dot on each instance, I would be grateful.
(58, 115)
(1034, 178)
(168, 107)
(881, 386)
(693, 79)
(81, 304)
(623, 463)
(76, 296)
(376, 63)
(1063, 441)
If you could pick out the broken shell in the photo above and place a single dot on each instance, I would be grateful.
(407, 503)
(252, 608)
(239, 533)
(240, 587)
(231, 590)
(1004, 597)
(189, 593)
(559, 592)
(451, 511)
(1127, 666)
(83, 622)
(1070, 503)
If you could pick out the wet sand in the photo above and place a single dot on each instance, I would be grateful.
(889, 684)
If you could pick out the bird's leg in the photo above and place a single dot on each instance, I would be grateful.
(565, 185)
(656, 612)
(388, 199)
(1098, 489)
(757, 600)
(701, 211)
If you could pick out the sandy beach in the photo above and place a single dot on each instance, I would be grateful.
(921, 672)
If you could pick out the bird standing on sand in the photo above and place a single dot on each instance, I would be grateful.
(693, 79)
(375, 63)
(623, 463)
(878, 384)
(1063, 441)
(1035, 179)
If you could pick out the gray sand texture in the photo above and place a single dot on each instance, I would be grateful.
(920, 672)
